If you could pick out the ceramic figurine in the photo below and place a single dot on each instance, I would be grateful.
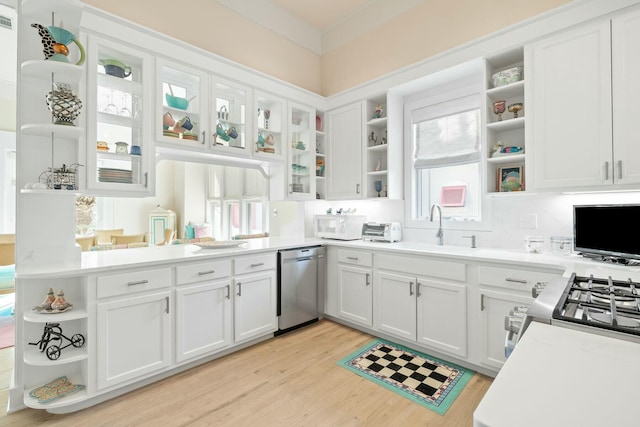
(373, 140)
(46, 304)
(378, 112)
(60, 303)
(55, 41)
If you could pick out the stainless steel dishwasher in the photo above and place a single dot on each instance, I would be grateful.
(301, 272)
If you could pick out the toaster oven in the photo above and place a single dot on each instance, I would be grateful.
(383, 231)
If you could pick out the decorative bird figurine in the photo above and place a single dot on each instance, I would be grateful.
(56, 41)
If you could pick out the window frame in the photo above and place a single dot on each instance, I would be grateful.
(443, 93)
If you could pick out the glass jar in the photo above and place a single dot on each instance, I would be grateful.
(561, 245)
(534, 244)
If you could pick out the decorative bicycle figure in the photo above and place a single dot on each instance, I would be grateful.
(52, 333)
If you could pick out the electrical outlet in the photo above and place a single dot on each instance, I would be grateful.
(529, 221)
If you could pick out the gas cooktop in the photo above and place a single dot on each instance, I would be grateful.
(604, 303)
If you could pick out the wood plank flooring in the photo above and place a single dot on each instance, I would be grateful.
(291, 380)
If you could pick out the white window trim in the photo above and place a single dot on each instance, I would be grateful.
(443, 93)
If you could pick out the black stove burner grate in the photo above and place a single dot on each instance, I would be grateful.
(602, 303)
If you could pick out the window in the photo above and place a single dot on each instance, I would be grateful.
(443, 142)
(237, 201)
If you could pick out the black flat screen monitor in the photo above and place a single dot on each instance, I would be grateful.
(607, 230)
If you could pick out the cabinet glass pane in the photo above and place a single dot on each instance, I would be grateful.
(230, 111)
(303, 161)
(270, 119)
(120, 141)
(181, 116)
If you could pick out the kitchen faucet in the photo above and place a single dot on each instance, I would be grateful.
(440, 233)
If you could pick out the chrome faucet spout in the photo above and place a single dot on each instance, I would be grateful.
(440, 233)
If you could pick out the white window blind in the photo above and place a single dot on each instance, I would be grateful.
(447, 133)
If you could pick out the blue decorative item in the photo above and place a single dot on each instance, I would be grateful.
(56, 41)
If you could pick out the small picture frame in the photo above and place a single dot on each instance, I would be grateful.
(510, 178)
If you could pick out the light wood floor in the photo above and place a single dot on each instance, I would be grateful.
(291, 380)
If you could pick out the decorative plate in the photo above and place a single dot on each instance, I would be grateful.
(219, 244)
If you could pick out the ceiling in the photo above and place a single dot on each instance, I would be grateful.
(322, 14)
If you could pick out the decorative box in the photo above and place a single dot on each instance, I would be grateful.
(508, 76)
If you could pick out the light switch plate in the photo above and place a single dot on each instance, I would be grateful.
(529, 221)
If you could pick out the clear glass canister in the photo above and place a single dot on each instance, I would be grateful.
(561, 245)
(534, 244)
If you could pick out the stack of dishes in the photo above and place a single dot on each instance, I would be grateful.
(172, 134)
(267, 150)
(122, 176)
(190, 136)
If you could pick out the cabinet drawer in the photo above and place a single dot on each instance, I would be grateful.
(251, 264)
(514, 278)
(355, 257)
(202, 271)
(132, 282)
(423, 266)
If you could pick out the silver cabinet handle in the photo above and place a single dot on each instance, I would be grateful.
(418, 294)
(146, 179)
(619, 169)
(290, 188)
(260, 264)
(228, 292)
(204, 136)
(410, 288)
(139, 282)
(368, 282)
(203, 273)
(481, 302)
(509, 279)
(352, 258)
(357, 188)
(167, 300)
(606, 171)
(239, 289)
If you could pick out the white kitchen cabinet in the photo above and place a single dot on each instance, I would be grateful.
(134, 337)
(270, 139)
(230, 117)
(120, 152)
(501, 288)
(254, 305)
(418, 308)
(255, 296)
(321, 150)
(203, 319)
(572, 101)
(355, 290)
(301, 165)
(182, 93)
(203, 309)
(504, 129)
(376, 147)
(344, 164)
(494, 306)
(442, 315)
(626, 90)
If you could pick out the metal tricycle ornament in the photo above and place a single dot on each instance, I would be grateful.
(52, 339)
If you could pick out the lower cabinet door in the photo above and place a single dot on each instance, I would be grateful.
(442, 316)
(203, 319)
(494, 307)
(134, 338)
(396, 305)
(355, 295)
(254, 305)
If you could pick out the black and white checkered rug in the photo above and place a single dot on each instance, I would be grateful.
(424, 379)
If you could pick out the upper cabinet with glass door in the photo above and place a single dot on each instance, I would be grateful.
(302, 159)
(230, 117)
(270, 115)
(120, 151)
(182, 106)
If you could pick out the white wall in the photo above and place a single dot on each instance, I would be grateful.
(8, 70)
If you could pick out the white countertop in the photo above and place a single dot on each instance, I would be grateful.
(96, 261)
(562, 377)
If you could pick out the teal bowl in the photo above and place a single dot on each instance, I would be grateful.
(176, 102)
